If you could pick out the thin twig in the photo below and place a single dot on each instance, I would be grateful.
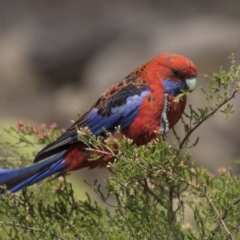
(100, 151)
(225, 214)
(236, 231)
(176, 136)
(149, 190)
(219, 216)
(230, 207)
(30, 228)
(206, 117)
(24, 139)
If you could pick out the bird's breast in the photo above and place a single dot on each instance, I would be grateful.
(149, 119)
(176, 110)
(142, 129)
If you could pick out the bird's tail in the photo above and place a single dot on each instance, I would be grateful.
(17, 179)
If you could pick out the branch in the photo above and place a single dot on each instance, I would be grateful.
(145, 186)
(29, 228)
(206, 117)
(101, 151)
(219, 216)
(225, 215)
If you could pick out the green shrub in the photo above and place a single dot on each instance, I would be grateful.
(152, 185)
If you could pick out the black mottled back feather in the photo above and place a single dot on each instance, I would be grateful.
(114, 97)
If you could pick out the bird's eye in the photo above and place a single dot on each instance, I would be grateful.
(175, 72)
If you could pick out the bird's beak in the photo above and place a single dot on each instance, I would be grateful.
(191, 83)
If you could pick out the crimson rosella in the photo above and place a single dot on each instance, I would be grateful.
(140, 104)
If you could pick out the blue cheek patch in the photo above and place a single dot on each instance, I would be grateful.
(172, 87)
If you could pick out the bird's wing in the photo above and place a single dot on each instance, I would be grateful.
(118, 106)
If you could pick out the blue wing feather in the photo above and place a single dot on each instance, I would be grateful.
(121, 115)
(118, 109)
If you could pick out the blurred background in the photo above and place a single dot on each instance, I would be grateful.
(57, 57)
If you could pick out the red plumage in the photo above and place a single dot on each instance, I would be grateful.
(142, 103)
(142, 129)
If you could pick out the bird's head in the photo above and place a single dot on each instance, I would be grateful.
(176, 73)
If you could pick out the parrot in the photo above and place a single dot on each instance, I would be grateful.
(142, 103)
